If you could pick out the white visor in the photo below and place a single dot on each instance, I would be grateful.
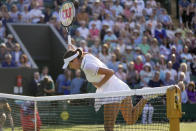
(67, 60)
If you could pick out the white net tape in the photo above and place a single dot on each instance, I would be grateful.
(144, 91)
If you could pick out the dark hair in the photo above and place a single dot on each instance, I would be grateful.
(191, 83)
(73, 52)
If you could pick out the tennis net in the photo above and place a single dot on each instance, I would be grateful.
(89, 112)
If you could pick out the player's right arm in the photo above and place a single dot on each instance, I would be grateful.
(107, 75)
(93, 69)
(71, 47)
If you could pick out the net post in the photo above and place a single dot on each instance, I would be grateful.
(174, 111)
(35, 116)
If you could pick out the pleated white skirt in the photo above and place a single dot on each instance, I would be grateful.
(114, 84)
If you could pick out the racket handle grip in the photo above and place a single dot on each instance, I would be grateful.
(69, 39)
(70, 46)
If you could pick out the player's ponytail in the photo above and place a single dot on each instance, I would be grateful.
(80, 53)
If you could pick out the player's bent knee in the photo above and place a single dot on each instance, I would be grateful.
(2, 119)
(130, 122)
(4, 116)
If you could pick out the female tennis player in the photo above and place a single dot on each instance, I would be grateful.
(105, 81)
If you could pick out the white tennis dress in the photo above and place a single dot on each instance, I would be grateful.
(90, 65)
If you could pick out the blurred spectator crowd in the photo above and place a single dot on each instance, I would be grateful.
(11, 54)
(138, 39)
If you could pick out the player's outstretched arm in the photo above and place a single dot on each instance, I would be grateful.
(8, 110)
(71, 47)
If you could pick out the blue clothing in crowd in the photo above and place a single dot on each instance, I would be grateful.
(67, 83)
(183, 3)
(160, 34)
(113, 66)
(5, 64)
(76, 84)
(60, 81)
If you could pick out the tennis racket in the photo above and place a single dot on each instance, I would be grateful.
(67, 14)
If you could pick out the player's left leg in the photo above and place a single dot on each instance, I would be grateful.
(130, 113)
(2, 120)
(110, 114)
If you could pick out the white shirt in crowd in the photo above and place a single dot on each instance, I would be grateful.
(84, 32)
(184, 97)
(25, 16)
(152, 3)
(186, 56)
(55, 13)
(173, 73)
(96, 22)
(122, 48)
(108, 22)
(14, 16)
(132, 24)
(140, 4)
(164, 51)
(148, 11)
(138, 11)
(152, 22)
(118, 9)
(170, 34)
(128, 2)
(104, 58)
(35, 13)
(17, 57)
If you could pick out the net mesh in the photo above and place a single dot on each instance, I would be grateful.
(77, 112)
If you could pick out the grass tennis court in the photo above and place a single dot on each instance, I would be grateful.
(183, 127)
(188, 126)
